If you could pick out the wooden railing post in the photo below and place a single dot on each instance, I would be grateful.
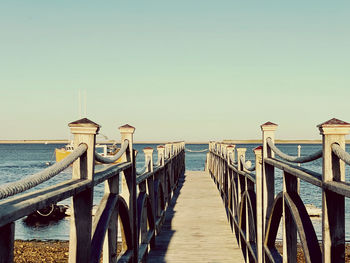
(333, 205)
(148, 152)
(259, 204)
(268, 172)
(230, 152)
(7, 239)
(241, 181)
(126, 133)
(161, 154)
(84, 131)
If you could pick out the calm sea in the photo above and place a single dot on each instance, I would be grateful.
(20, 160)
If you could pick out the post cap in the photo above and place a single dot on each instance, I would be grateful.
(84, 126)
(148, 150)
(160, 147)
(241, 150)
(334, 126)
(268, 126)
(258, 149)
(127, 129)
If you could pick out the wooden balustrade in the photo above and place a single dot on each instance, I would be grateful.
(140, 207)
(255, 211)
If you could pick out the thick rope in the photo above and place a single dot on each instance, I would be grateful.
(47, 214)
(341, 153)
(144, 168)
(31, 181)
(157, 163)
(107, 160)
(294, 159)
(199, 151)
(245, 166)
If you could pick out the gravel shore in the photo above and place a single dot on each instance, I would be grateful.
(57, 251)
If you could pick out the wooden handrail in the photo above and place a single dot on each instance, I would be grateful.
(255, 210)
(141, 211)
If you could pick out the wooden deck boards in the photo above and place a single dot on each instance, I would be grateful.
(196, 227)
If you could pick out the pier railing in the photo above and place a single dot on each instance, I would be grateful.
(255, 210)
(140, 207)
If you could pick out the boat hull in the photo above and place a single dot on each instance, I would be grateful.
(62, 153)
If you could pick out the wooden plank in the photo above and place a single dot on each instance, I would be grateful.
(22, 205)
(7, 243)
(196, 228)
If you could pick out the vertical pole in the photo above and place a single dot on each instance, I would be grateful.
(7, 240)
(127, 132)
(333, 205)
(84, 131)
(241, 181)
(160, 149)
(298, 180)
(268, 172)
(259, 204)
(230, 150)
(148, 152)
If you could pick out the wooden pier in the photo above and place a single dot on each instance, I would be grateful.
(195, 227)
(167, 214)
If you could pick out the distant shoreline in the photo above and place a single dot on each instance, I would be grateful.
(160, 142)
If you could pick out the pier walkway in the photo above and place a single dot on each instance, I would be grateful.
(168, 214)
(195, 227)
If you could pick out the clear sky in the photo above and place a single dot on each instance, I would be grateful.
(193, 70)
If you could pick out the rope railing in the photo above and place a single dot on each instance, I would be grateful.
(108, 160)
(341, 153)
(31, 181)
(143, 169)
(157, 163)
(233, 161)
(294, 159)
(196, 151)
(246, 167)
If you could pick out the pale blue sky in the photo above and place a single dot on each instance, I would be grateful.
(192, 70)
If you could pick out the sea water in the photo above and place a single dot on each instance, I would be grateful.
(20, 160)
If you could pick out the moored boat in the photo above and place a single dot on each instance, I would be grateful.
(103, 149)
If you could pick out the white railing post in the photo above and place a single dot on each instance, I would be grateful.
(259, 204)
(333, 205)
(148, 152)
(268, 172)
(84, 131)
(241, 185)
(240, 180)
(161, 154)
(129, 180)
(230, 152)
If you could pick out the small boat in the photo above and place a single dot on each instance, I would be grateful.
(103, 149)
(47, 215)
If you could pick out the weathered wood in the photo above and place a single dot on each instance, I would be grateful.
(110, 172)
(129, 178)
(341, 188)
(268, 131)
(290, 186)
(111, 237)
(80, 219)
(7, 237)
(272, 228)
(333, 204)
(304, 174)
(18, 207)
(196, 227)
(103, 229)
(259, 204)
(307, 235)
